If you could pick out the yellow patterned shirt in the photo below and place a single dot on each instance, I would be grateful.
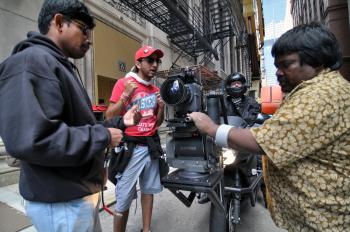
(307, 142)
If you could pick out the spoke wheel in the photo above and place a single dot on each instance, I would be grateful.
(232, 227)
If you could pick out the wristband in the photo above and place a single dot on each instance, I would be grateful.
(123, 100)
(221, 135)
(125, 96)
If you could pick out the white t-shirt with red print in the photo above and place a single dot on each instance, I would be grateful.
(145, 96)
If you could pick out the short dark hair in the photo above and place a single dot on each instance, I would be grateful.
(74, 9)
(134, 69)
(316, 45)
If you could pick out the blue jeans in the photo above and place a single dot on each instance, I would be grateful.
(80, 215)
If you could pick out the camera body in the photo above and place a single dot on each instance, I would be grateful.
(186, 148)
(191, 151)
(197, 159)
(182, 93)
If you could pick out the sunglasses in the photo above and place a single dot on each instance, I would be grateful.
(151, 60)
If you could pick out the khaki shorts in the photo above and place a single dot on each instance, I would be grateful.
(140, 167)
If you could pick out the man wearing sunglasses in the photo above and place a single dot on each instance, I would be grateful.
(142, 140)
(47, 122)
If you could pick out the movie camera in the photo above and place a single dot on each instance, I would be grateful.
(197, 159)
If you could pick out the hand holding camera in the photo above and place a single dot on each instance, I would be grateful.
(204, 123)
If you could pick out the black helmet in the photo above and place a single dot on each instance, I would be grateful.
(236, 92)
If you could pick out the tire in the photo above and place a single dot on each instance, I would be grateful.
(231, 227)
(218, 220)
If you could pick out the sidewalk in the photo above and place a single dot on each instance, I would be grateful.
(11, 197)
(12, 201)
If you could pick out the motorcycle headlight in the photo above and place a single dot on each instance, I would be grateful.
(229, 156)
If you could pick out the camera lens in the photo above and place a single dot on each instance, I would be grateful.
(173, 91)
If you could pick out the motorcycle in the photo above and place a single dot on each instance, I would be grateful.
(242, 179)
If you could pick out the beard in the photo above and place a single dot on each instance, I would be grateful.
(286, 87)
(78, 54)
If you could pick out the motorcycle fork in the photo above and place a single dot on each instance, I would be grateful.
(236, 198)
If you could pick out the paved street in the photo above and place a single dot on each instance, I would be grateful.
(171, 215)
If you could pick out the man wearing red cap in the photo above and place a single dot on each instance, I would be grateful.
(142, 140)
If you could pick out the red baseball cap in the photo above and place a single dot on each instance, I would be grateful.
(146, 51)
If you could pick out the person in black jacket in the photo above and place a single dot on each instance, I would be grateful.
(236, 102)
(46, 121)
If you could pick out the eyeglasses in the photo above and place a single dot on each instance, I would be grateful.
(83, 27)
(151, 60)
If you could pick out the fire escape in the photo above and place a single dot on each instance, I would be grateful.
(193, 29)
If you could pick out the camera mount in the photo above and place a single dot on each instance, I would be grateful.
(196, 156)
(210, 183)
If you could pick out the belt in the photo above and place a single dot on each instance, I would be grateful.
(141, 144)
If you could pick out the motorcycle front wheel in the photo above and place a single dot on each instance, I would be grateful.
(218, 218)
(223, 222)
(231, 225)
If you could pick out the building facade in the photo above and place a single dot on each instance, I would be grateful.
(278, 19)
(120, 30)
(334, 14)
(254, 19)
(221, 35)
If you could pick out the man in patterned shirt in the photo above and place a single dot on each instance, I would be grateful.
(307, 141)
